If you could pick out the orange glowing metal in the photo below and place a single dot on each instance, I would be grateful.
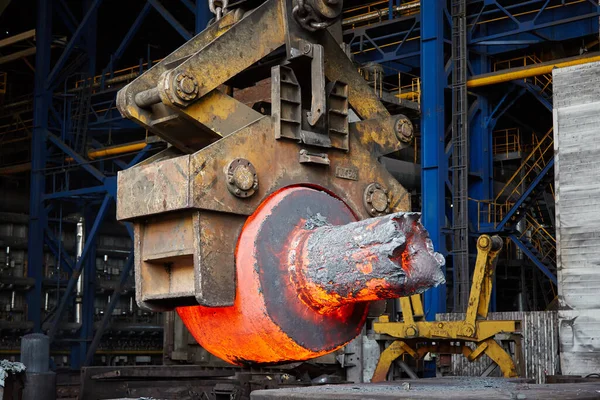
(305, 275)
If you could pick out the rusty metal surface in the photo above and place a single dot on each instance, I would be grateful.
(214, 259)
(154, 188)
(221, 113)
(539, 345)
(254, 37)
(164, 269)
(339, 68)
(126, 97)
(276, 165)
(186, 259)
(437, 388)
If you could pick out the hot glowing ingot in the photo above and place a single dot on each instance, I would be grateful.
(306, 272)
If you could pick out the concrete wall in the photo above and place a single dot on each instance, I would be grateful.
(577, 174)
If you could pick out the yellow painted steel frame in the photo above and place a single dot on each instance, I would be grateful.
(417, 337)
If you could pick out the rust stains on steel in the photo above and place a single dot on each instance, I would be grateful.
(369, 260)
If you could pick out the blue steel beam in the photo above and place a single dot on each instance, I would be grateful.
(434, 164)
(480, 151)
(67, 16)
(171, 19)
(37, 211)
(535, 92)
(190, 6)
(139, 156)
(128, 36)
(76, 192)
(562, 23)
(79, 350)
(54, 245)
(503, 105)
(526, 27)
(77, 157)
(129, 228)
(51, 81)
(108, 311)
(58, 254)
(203, 15)
(533, 258)
(90, 240)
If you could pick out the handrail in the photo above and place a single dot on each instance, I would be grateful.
(544, 81)
(541, 239)
(541, 230)
(125, 71)
(374, 77)
(539, 162)
(378, 11)
(506, 141)
(514, 15)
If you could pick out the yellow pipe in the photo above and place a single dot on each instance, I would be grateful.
(115, 150)
(529, 71)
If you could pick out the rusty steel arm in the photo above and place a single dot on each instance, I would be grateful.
(160, 97)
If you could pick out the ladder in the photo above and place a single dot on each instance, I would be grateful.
(459, 166)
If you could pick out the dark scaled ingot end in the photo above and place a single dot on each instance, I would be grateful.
(369, 260)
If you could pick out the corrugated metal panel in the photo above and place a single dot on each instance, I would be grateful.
(540, 345)
(577, 168)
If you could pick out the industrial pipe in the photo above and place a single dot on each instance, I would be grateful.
(306, 274)
(116, 150)
(92, 154)
(79, 289)
(528, 71)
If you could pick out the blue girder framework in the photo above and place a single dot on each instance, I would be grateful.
(419, 43)
(416, 42)
(65, 125)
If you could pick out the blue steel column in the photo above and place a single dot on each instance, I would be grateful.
(37, 212)
(434, 163)
(481, 157)
(203, 15)
(86, 332)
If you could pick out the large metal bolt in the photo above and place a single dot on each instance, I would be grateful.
(468, 331)
(186, 87)
(411, 331)
(484, 241)
(242, 180)
(376, 199)
(404, 129)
